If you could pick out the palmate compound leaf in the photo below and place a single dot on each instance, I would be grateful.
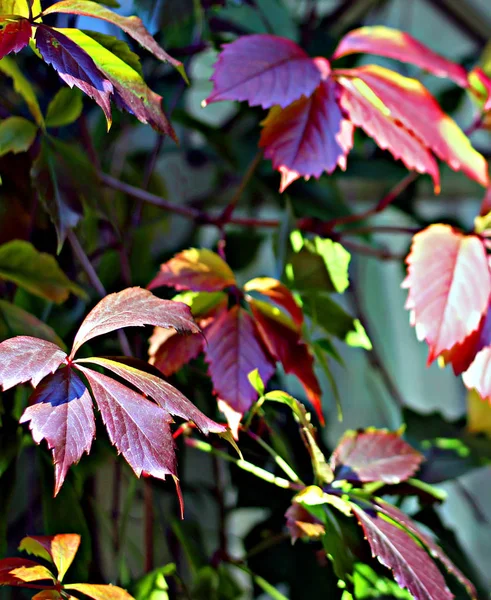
(59, 549)
(133, 307)
(410, 103)
(15, 33)
(307, 137)
(195, 269)
(394, 548)
(61, 413)
(367, 111)
(265, 70)
(18, 571)
(374, 455)
(75, 66)
(433, 548)
(449, 286)
(392, 43)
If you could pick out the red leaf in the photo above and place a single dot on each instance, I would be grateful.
(60, 549)
(198, 270)
(15, 33)
(137, 427)
(169, 351)
(449, 286)
(232, 351)
(409, 102)
(285, 344)
(100, 592)
(278, 293)
(74, 66)
(265, 70)
(62, 414)
(308, 137)
(393, 43)
(26, 358)
(17, 571)
(166, 396)
(413, 569)
(133, 307)
(374, 455)
(433, 548)
(387, 133)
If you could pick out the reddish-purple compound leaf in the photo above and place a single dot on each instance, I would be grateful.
(393, 43)
(200, 270)
(26, 358)
(169, 351)
(62, 414)
(433, 548)
(408, 101)
(374, 455)
(74, 66)
(15, 33)
(233, 350)
(18, 571)
(166, 396)
(449, 286)
(308, 137)
(133, 307)
(265, 70)
(412, 567)
(387, 133)
(136, 426)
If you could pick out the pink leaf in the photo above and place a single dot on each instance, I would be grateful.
(133, 307)
(449, 286)
(74, 66)
(60, 549)
(26, 358)
(409, 102)
(15, 33)
(374, 455)
(137, 427)
(308, 137)
(393, 43)
(166, 396)
(62, 414)
(232, 351)
(413, 569)
(387, 133)
(169, 351)
(265, 70)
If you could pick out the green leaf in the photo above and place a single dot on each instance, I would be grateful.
(256, 381)
(201, 303)
(153, 585)
(9, 67)
(35, 271)
(65, 108)
(268, 588)
(117, 47)
(336, 259)
(369, 584)
(17, 321)
(19, 7)
(16, 135)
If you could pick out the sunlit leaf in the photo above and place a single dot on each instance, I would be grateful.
(100, 592)
(60, 549)
(18, 571)
(19, 7)
(16, 135)
(15, 33)
(278, 293)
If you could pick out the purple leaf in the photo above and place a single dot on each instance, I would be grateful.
(133, 307)
(169, 352)
(61, 413)
(26, 358)
(74, 66)
(413, 569)
(265, 70)
(166, 396)
(374, 455)
(136, 426)
(433, 548)
(15, 33)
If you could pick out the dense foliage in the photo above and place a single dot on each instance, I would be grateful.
(113, 221)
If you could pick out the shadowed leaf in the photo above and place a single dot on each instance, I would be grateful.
(9, 67)
(14, 34)
(65, 108)
(169, 351)
(15, 321)
(16, 135)
(59, 549)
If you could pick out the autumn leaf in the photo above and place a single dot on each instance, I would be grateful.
(19, 7)
(278, 293)
(15, 33)
(265, 70)
(17, 571)
(449, 286)
(307, 137)
(59, 549)
(392, 43)
(100, 592)
(168, 351)
(374, 455)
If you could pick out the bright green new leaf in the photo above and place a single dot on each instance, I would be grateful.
(35, 271)
(16, 135)
(256, 382)
(9, 67)
(336, 259)
(65, 108)
(117, 47)
(153, 585)
(201, 303)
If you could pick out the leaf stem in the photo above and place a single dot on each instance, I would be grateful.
(281, 462)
